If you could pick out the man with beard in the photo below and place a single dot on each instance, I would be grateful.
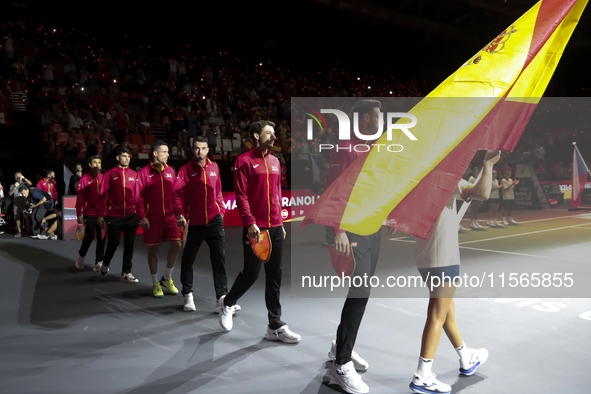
(365, 251)
(257, 185)
(90, 210)
(119, 191)
(155, 212)
(199, 195)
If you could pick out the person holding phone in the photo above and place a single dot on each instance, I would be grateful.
(257, 185)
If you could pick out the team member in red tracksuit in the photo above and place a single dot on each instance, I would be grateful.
(47, 184)
(155, 212)
(257, 185)
(89, 209)
(119, 191)
(199, 197)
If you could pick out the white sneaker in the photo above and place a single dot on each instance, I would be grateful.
(359, 363)
(428, 385)
(97, 266)
(80, 263)
(462, 229)
(498, 224)
(225, 318)
(511, 221)
(189, 305)
(53, 237)
(505, 223)
(479, 356)
(40, 236)
(346, 377)
(491, 224)
(220, 303)
(129, 278)
(283, 334)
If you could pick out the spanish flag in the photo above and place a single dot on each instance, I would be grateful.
(485, 104)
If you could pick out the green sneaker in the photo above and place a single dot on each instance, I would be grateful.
(157, 290)
(169, 285)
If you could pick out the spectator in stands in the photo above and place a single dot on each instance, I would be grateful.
(568, 171)
(302, 149)
(541, 172)
(74, 122)
(75, 179)
(178, 151)
(92, 149)
(122, 123)
(89, 124)
(108, 143)
(212, 142)
(70, 149)
(558, 171)
(9, 46)
(191, 125)
(20, 102)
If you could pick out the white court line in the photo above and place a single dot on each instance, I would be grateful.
(541, 220)
(513, 253)
(518, 235)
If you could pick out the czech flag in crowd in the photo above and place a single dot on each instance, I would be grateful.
(485, 104)
(580, 172)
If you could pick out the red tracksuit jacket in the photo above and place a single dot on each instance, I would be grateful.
(155, 189)
(90, 201)
(198, 192)
(119, 190)
(48, 187)
(257, 185)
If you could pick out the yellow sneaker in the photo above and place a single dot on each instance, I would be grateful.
(157, 290)
(169, 285)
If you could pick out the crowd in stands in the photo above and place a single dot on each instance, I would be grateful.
(88, 99)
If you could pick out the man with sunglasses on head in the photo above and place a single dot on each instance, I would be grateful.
(119, 190)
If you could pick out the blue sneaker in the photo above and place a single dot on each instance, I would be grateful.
(428, 385)
(479, 356)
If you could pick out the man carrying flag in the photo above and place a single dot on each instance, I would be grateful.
(580, 172)
(90, 210)
(155, 212)
(119, 191)
(257, 184)
(200, 205)
(365, 253)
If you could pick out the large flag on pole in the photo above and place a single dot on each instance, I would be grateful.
(580, 172)
(485, 104)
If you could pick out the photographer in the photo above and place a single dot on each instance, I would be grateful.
(20, 180)
(37, 203)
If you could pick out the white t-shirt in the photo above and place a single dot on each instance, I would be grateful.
(494, 191)
(442, 246)
(508, 191)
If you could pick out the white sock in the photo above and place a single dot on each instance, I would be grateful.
(424, 367)
(464, 352)
(504, 219)
(155, 278)
(168, 272)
